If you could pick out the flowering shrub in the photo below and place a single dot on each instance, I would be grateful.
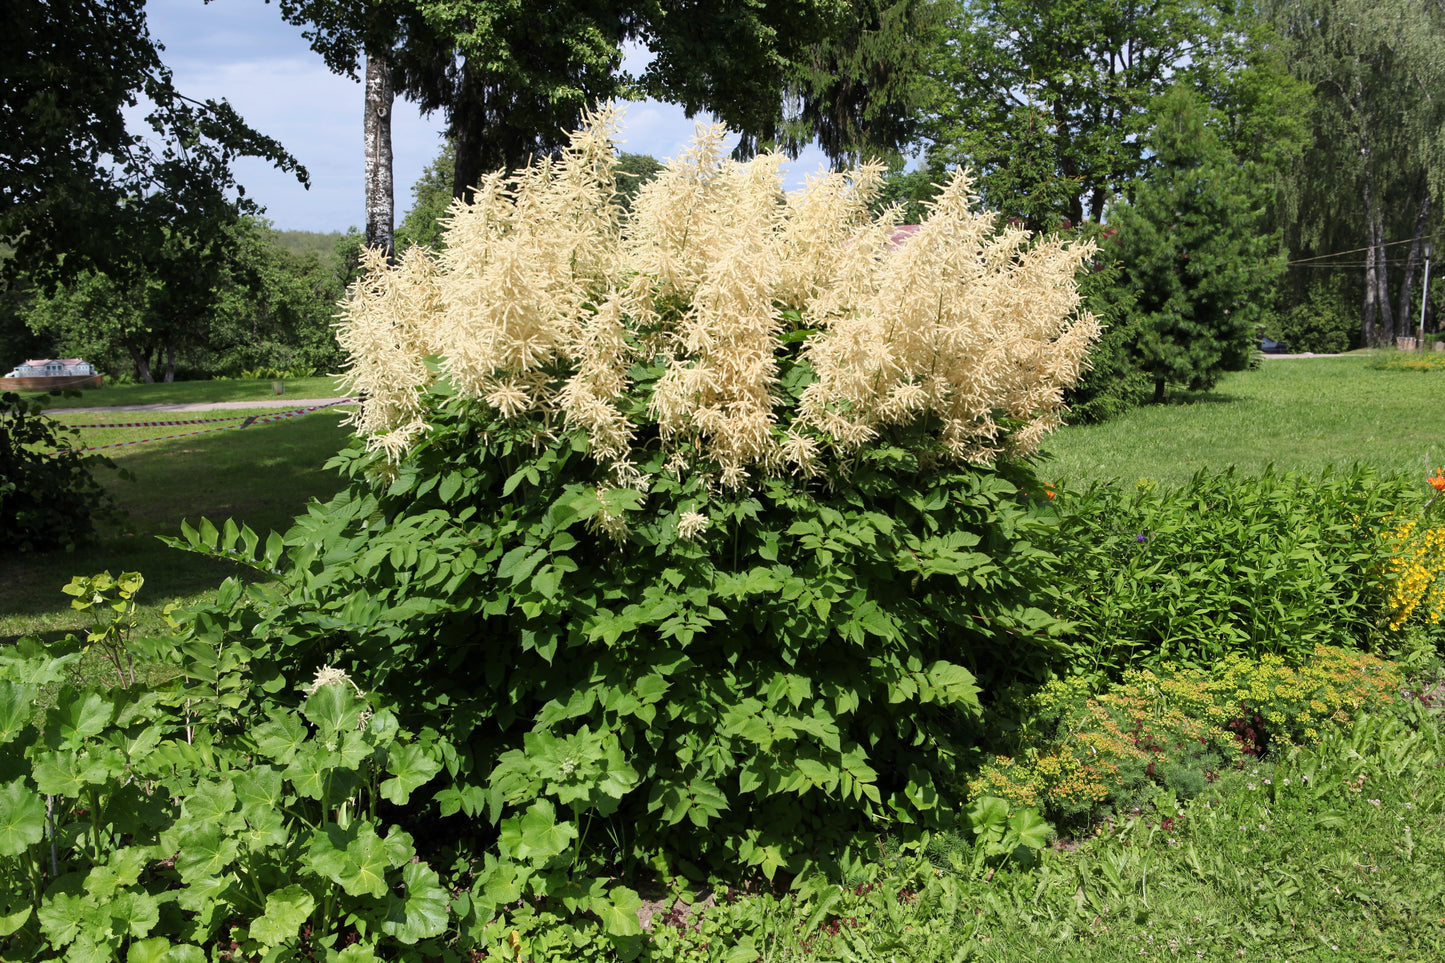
(690, 533)
(1174, 727)
(1413, 569)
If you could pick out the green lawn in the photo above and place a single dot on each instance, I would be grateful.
(196, 392)
(1294, 413)
(262, 475)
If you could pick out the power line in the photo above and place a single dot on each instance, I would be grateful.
(1321, 257)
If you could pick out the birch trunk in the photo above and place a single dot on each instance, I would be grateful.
(380, 205)
(1370, 309)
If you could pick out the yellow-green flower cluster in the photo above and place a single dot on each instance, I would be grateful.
(1414, 573)
(1096, 749)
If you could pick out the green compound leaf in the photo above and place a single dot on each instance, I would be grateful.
(22, 818)
(286, 911)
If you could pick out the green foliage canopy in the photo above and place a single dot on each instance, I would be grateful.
(78, 190)
(1049, 102)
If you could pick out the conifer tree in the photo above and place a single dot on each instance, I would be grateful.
(1194, 262)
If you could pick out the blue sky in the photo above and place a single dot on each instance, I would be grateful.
(243, 52)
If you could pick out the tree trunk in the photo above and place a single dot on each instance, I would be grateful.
(170, 363)
(1370, 334)
(1382, 278)
(1407, 284)
(380, 205)
(142, 366)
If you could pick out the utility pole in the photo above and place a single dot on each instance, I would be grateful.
(1425, 294)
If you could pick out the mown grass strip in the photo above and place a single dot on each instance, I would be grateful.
(1304, 414)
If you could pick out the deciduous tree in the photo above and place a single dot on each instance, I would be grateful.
(1376, 164)
(79, 189)
(1049, 101)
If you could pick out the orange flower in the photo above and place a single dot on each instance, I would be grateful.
(1438, 479)
(1050, 492)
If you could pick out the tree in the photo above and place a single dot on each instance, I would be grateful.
(1049, 102)
(431, 197)
(863, 92)
(242, 304)
(633, 172)
(1370, 176)
(511, 78)
(79, 191)
(1194, 263)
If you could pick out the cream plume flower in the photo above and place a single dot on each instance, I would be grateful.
(547, 300)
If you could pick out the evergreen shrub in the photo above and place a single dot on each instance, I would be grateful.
(693, 536)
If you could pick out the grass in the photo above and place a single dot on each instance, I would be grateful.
(1336, 854)
(262, 475)
(1307, 414)
(194, 392)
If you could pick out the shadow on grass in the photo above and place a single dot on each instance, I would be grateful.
(1184, 399)
(260, 478)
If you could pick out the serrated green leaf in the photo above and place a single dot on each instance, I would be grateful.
(63, 915)
(17, 707)
(420, 912)
(1030, 828)
(286, 911)
(205, 851)
(22, 818)
(133, 913)
(14, 913)
(157, 949)
(618, 911)
(354, 858)
(411, 767)
(280, 737)
(75, 720)
(333, 709)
